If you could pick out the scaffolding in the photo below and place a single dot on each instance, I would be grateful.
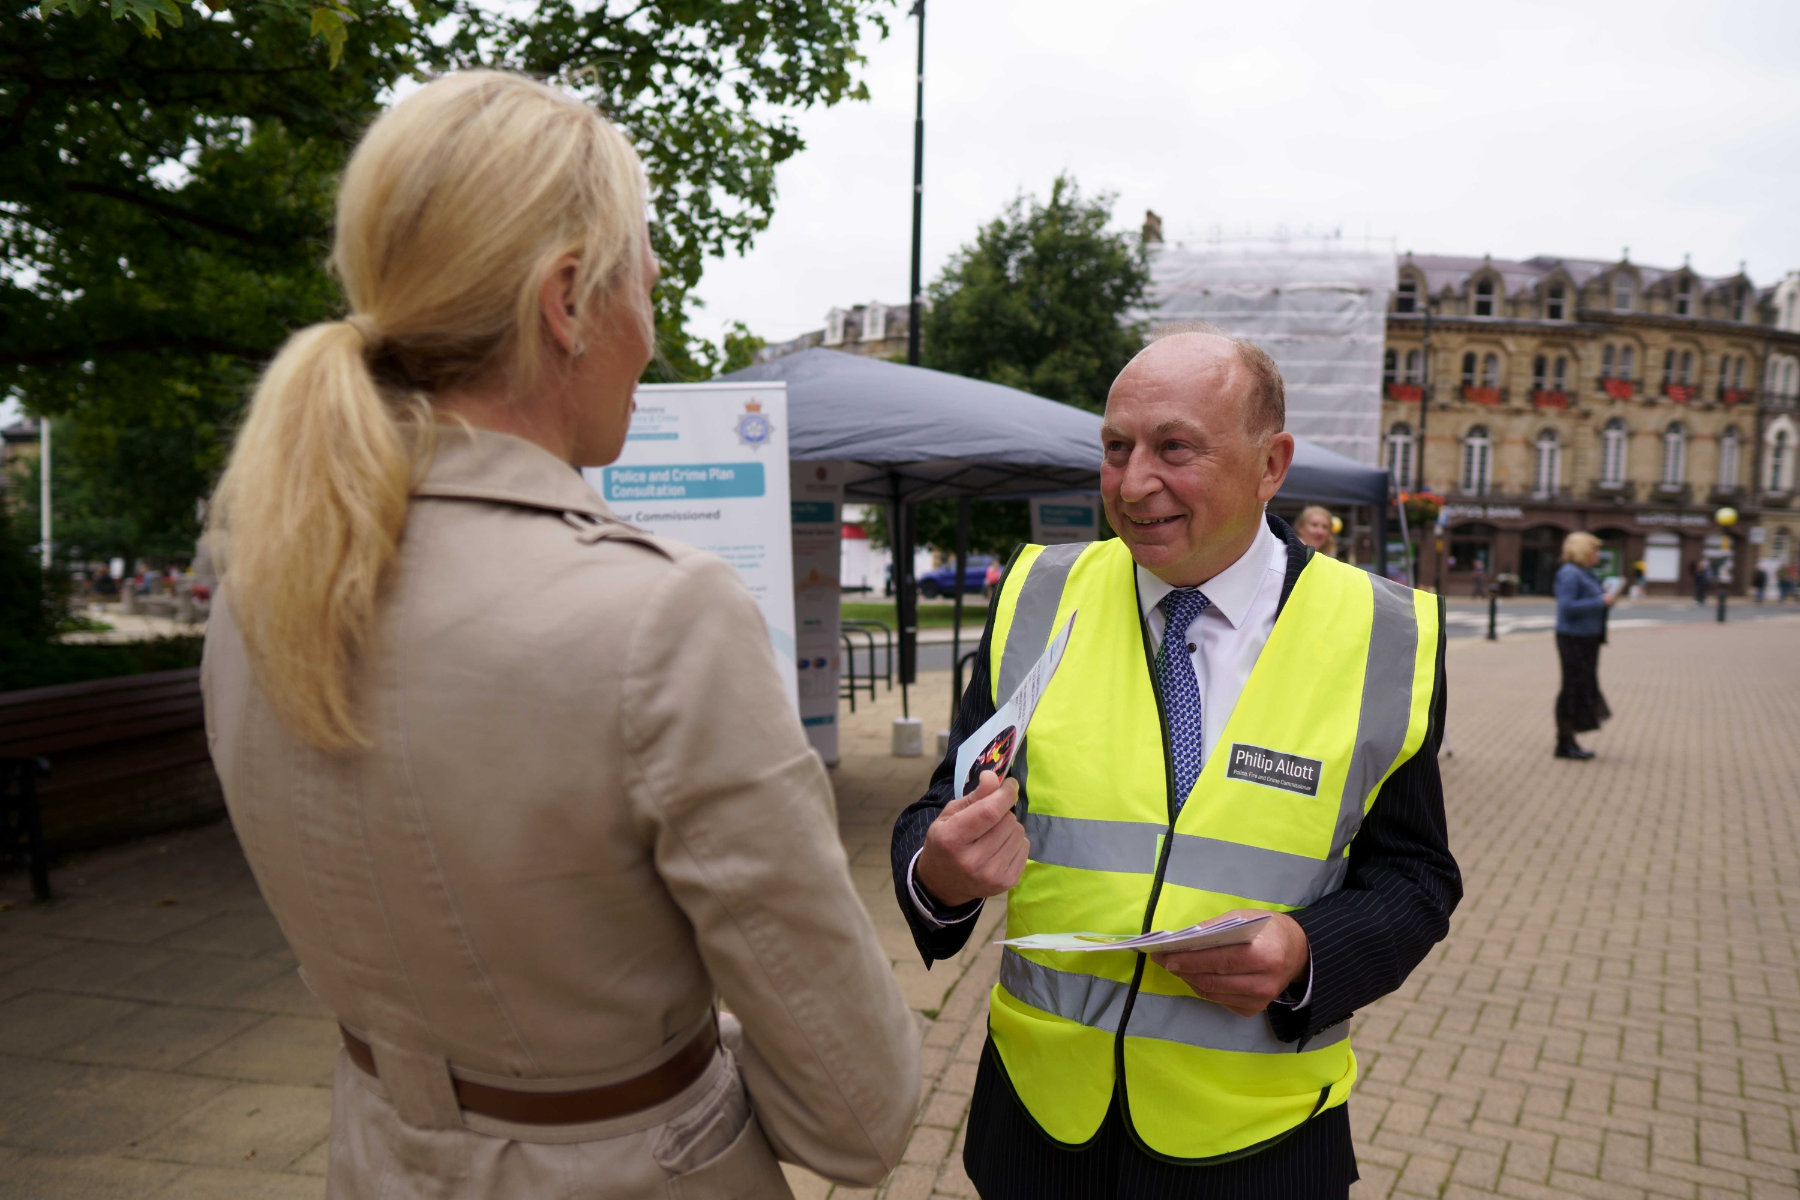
(1318, 306)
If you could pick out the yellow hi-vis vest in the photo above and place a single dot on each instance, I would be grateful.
(1339, 698)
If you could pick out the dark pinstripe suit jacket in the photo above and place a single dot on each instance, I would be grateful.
(1395, 904)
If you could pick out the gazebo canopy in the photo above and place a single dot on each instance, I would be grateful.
(911, 433)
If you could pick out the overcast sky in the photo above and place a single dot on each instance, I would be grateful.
(1573, 129)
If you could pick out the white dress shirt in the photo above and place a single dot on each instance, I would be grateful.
(1224, 643)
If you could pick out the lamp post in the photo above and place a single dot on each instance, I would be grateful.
(912, 320)
(1725, 518)
(44, 523)
(1419, 483)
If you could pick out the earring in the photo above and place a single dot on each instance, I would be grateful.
(580, 349)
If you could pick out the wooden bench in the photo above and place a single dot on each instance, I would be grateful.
(62, 745)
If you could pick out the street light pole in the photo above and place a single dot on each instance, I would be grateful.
(912, 320)
(44, 523)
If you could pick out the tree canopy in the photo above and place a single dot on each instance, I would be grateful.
(165, 202)
(1041, 299)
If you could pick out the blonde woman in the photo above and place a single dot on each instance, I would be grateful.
(1581, 606)
(520, 782)
(1314, 528)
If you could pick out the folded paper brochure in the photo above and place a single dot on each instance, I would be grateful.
(994, 746)
(1228, 930)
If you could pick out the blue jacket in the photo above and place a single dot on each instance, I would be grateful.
(1580, 602)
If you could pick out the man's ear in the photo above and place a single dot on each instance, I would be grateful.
(557, 303)
(1276, 460)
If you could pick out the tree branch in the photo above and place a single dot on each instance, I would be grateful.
(57, 356)
(171, 211)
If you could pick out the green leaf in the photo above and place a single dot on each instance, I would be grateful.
(328, 24)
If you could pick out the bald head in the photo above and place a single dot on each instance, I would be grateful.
(1211, 368)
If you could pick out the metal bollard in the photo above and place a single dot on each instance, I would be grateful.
(1493, 612)
(1721, 604)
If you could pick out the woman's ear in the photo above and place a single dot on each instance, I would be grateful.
(557, 303)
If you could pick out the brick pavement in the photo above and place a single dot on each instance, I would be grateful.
(1615, 1014)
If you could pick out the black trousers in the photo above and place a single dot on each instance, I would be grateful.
(1009, 1158)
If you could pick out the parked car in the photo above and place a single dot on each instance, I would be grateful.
(942, 582)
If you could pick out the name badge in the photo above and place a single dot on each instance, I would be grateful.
(1272, 768)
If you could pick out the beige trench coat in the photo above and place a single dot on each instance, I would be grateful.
(590, 811)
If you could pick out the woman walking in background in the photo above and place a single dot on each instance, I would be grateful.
(520, 782)
(1581, 606)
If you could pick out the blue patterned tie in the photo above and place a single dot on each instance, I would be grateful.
(1180, 691)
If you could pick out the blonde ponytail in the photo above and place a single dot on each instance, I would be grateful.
(451, 210)
(316, 494)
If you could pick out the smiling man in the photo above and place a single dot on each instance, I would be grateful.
(1238, 725)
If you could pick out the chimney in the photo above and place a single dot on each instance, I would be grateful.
(1152, 234)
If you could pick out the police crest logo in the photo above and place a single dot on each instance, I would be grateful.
(754, 427)
(1272, 768)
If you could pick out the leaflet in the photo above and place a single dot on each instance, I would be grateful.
(1229, 930)
(994, 746)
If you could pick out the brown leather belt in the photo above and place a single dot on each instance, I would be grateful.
(572, 1108)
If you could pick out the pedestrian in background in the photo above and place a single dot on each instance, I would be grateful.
(1314, 528)
(1581, 607)
(519, 781)
(1759, 581)
(1701, 578)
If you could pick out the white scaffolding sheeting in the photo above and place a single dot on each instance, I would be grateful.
(1318, 308)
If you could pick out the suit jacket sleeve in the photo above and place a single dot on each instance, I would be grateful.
(1399, 891)
(909, 828)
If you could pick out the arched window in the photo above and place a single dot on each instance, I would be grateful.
(1478, 458)
(1468, 369)
(1546, 475)
(1559, 378)
(1621, 292)
(1400, 454)
(1684, 298)
(1415, 363)
(1387, 365)
(1779, 467)
(1540, 372)
(1406, 298)
(1554, 304)
(1737, 374)
(1606, 361)
(1612, 453)
(1627, 362)
(1490, 371)
(1730, 450)
(1674, 464)
(1484, 298)
(1668, 368)
(1686, 373)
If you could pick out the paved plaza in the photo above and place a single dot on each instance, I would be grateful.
(1615, 1014)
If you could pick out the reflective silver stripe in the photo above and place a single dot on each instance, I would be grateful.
(1130, 848)
(1253, 872)
(1125, 847)
(1034, 613)
(1386, 704)
(1100, 1004)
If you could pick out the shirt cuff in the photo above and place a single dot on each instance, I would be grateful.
(1286, 999)
(935, 914)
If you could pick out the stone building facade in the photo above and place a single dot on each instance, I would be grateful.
(874, 330)
(1626, 400)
